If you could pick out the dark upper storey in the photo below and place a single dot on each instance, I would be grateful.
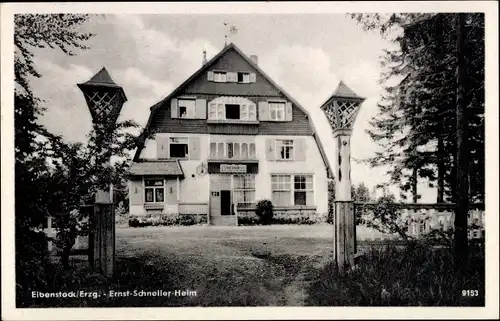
(261, 90)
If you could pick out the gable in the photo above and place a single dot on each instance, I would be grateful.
(230, 61)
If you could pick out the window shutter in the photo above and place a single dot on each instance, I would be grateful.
(270, 146)
(263, 110)
(232, 77)
(300, 149)
(210, 76)
(288, 111)
(253, 77)
(173, 108)
(135, 195)
(162, 147)
(201, 109)
(194, 148)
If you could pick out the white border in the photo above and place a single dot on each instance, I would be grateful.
(7, 174)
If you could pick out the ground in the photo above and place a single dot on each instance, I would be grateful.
(253, 265)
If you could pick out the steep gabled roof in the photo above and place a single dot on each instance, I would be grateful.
(205, 68)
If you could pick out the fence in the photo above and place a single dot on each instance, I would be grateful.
(419, 219)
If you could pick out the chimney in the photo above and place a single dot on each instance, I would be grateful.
(204, 58)
(255, 59)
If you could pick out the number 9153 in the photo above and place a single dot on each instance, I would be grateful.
(470, 293)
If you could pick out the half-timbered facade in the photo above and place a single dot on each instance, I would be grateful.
(225, 139)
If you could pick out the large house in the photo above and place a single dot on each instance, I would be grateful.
(226, 138)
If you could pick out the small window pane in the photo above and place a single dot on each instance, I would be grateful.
(159, 194)
(230, 150)
(213, 149)
(220, 149)
(149, 195)
(252, 150)
(236, 151)
(244, 150)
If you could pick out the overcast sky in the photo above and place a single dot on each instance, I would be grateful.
(150, 55)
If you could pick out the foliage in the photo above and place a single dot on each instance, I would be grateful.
(167, 220)
(301, 220)
(414, 275)
(416, 123)
(265, 211)
(34, 200)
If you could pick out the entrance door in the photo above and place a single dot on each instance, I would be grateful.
(225, 202)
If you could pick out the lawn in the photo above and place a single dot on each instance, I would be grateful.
(246, 265)
(225, 266)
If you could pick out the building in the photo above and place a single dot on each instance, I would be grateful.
(226, 138)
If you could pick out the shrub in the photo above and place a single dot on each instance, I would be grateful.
(244, 220)
(265, 211)
(414, 275)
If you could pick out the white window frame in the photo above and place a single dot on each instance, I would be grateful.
(284, 143)
(245, 81)
(245, 189)
(154, 188)
(291, 188)
(305, 189)
(170, 142)
(190, 112)
(279, 108)
(220, 76)
(237, 150)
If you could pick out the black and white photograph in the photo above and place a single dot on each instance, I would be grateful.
(224, 155)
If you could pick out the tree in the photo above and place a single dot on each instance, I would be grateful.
(416, 123)
(437, 98)
(78, 173)
(32, 173)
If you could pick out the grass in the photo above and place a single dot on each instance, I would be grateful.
(226, 266)
(416, 275)
(263, 266)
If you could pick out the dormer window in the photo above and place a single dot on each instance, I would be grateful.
(186, 108)
(277, 111)
(244, 77)
(220, 76)
(232, 108)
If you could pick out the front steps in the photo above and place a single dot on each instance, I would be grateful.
(224, 220)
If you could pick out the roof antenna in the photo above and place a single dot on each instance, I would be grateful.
(225, 34)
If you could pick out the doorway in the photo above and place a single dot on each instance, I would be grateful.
(225, 202)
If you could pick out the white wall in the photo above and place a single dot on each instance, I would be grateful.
(196, 189)
(313, 164)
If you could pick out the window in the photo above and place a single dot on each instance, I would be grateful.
(281, 188)
(277, 111)
(213, 150)
(178, 147)
(153, 191)
(248, 112)
(303, 190)
(284, 193)
(230, 151)
(244, 77)
(232, 111)
(284, 149)
(236, 151)
(244, 150)
(186, 108)
(252, 150)
(244, 189)
(220, 150)
(220, 76)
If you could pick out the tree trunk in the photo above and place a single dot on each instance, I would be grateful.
(440, 169)
(414, 182)
(462, 173)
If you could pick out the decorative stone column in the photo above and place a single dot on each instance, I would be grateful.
(105, 100)
(341, 110)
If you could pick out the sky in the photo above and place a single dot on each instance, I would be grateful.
(150, 55)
